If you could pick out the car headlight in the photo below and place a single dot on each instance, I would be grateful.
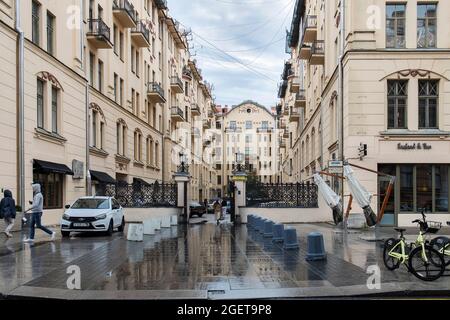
(66, 216)
(101, 217)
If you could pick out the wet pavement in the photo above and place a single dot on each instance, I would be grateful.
(201, 261)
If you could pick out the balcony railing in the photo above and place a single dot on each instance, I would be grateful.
(294, 114)
(207, 124)
(176, 84)
(195, 109)
(295, 84)
(161, 4)
(282, 89)
(309, 29)
(99, 34)
(176, 113)
(156, 92)
(125, 13)
(318, 52)
(187, 73)
(264, 130)
(300, 98)
(233, 129)
(141, 35)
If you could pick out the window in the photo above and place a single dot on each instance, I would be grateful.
(233, 125)
(153, 47)
(52, 189)
(138, 146)
(121, 91)
(133, 100)
(248, 125)
(94, 129)
(441, 188)
(40, 103)
(121, 136)
(265, 125)
(395, 25)
(138, 104)
(406, 188)
(426, 25)
(428, 103)
(91, 68)
(150, 151)
(55, 111)
(397, 97)
(102, 135)
(219, 180)
(157, 154)
(100, 75)
(133, 61)
(424, 187)
(36, 20)
(50, 33)
(116, 39)
(121, 43)
(138, 67)
(248, 138)
(116, 80)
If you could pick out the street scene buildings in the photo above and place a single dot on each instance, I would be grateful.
(156, 147)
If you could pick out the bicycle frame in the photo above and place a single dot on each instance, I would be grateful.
(403, 257)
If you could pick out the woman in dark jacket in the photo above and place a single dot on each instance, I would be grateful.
(8, 211)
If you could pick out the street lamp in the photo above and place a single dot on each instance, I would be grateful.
(183, 160)
(239, 162)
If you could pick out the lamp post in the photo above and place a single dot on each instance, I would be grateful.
(183, 167)
(238, 162)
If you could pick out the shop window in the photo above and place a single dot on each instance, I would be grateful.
(52, 189)
(424, 179)
(406, 188)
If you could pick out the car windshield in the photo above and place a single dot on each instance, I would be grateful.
(91, 204)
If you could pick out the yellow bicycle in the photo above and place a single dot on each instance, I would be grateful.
(419, 257)
(442, 244)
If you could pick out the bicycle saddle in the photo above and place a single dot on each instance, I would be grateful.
(399, 229)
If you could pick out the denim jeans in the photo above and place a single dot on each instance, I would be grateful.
(36, 220)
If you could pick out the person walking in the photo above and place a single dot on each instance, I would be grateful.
(36, 213)
(217, 211)
(8, 211)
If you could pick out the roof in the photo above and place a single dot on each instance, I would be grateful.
(256, 104)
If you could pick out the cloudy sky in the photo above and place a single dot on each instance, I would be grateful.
(238, 44)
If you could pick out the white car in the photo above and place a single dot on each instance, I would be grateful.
(93, 214)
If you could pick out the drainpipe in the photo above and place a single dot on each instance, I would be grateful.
(341, 93)
(20, 106)
(87, 109)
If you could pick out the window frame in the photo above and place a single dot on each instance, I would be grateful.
(396, 97)
(427, 98)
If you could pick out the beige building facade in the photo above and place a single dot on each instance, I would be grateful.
(108, 86)
(396, 99)
(249, 137)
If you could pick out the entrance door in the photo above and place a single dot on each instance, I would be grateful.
(383, 183)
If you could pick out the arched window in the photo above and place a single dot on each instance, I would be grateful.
(98, 125)
(302, 156)
(333, 118)
(307, 155)
(313, 145)
(157, 154)
(150, 151)
(49, 102)
(138, 145)
(121, 136)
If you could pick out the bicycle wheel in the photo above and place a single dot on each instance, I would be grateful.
(390, 262)
(428, 269)
(442, 244)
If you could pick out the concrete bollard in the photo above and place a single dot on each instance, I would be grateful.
(268, 229)
(290, 238)
(165, 222)
(157, 223)
(149, 227)
(135, 232)
(174, 220)
(278, 232)
(316, 247)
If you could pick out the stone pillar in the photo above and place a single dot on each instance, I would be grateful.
(240, 182)
(184, 197)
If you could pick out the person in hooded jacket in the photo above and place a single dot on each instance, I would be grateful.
(8, 211)
(37, 207)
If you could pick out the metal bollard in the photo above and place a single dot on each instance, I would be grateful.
(290, 238)
(278, 232)
(316, 247)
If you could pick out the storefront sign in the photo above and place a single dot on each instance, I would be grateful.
(414, 146)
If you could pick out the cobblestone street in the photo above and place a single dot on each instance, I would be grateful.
(201, 261)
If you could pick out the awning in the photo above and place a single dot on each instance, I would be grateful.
(40, 166)
(141, 181)
(101, 177)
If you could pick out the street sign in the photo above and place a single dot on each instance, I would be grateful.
(335, 170)
(335, 166)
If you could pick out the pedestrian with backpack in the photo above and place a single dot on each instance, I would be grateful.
(8, 211)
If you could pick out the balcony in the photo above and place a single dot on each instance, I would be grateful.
(233, 130)
(305, 52)
(99, 34)
(282, 143)
(176, 84)
(317, 53)
(176, 114)
(155, 93)
(300, 99)
(187, 73)
(195, 110)
(210, 114)
(294, 115)
(295, 85)
(310, 29)
(206, 124)
(286, 134)
(264, 130)
(124, 12)
(282, 125)
(286, 111)
(207, 142)
(282, 89)
(141, 35)
(161, 4)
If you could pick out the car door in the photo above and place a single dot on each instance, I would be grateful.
(117, 212)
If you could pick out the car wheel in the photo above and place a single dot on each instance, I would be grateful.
(200, 215)
(65, 234)
(110, 230)
(122, 225)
